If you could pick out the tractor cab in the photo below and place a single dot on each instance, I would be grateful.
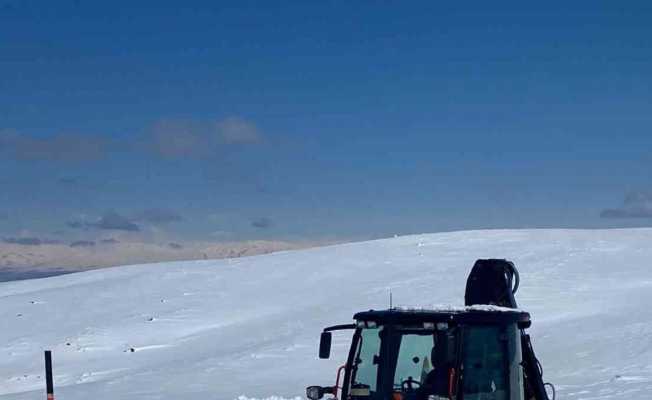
(476, 352)
(469, 353)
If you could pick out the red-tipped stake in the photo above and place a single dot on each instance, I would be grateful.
(49, 383)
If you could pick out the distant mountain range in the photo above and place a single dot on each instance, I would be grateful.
(90, 254)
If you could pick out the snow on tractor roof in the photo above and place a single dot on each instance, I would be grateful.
(448, 308)
(465, 314)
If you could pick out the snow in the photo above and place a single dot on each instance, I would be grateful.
(450, 308)
(248, 328)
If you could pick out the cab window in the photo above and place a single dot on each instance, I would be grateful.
(365, 367)
(485, 364)
(413, 358)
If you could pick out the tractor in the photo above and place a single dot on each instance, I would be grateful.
(477, 352)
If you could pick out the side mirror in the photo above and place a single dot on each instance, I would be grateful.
(325, 345)
(317, 392)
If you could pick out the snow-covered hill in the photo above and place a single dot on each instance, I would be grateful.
(250, 326)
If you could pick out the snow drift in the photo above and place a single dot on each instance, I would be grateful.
(249, 327)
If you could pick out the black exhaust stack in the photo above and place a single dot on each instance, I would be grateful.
(494, 282)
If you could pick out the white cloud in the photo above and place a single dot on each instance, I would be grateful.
(234, 130)
(171, 138)
(60, 147)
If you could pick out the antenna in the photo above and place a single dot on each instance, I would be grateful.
(390, 299)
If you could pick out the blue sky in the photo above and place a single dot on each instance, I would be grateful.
(345, 120)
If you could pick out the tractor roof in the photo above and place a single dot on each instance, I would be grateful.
(477, 314)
